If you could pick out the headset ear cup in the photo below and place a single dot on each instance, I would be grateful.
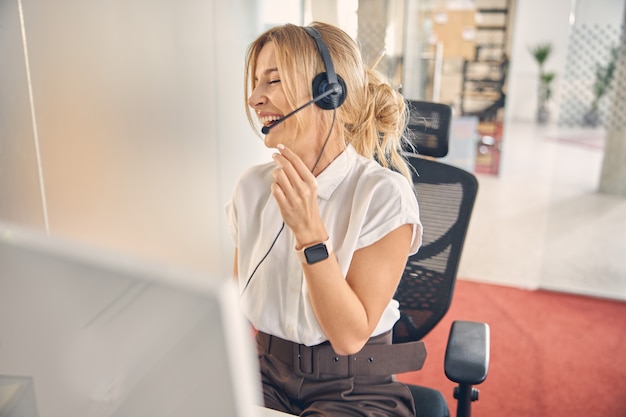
(320, 86)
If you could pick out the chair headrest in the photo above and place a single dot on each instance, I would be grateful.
(429, 127)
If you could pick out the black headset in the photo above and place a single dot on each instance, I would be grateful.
(329, 80)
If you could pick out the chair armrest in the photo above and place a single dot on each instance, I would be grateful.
(467, 353)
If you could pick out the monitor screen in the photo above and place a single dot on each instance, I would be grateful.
(88, 333)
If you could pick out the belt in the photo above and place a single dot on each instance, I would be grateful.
(377, 358)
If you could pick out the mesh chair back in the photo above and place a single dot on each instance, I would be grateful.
(429, 128)
(446, 195)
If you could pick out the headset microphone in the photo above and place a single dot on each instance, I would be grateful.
(333, 90)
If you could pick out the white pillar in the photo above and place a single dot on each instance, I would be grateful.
(613, 175)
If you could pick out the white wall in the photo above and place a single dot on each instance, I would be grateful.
(599, 12)
(536, 21)
(539, 21)
(138, 118)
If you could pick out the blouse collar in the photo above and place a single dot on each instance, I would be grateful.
(333, 175)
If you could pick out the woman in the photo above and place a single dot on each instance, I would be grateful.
(323, 232)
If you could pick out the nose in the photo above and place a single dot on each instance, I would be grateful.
(256, 98)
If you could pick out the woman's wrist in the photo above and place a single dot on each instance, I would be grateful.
(301, 246)
(309, 236)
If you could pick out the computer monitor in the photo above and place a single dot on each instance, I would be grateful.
(84, 333)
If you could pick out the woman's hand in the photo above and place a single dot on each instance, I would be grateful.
(295, 191)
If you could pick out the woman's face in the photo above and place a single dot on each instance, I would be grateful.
(269, 102)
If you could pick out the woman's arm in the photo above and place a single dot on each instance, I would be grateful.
(347, 308)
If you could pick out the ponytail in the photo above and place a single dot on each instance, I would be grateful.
(380, 131)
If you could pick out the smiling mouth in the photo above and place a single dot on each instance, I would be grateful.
(268, 120)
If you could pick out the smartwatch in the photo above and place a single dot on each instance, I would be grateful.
(315, 253)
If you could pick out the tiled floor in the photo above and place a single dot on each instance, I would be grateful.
(540, 223)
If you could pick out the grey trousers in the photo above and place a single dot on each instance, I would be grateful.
(315, 393)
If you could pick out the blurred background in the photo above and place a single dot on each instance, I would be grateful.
(122, 123)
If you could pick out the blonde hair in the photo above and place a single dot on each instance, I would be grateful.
(374, 115)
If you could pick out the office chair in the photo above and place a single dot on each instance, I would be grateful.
(446, 195)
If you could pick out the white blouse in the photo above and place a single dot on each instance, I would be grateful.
(360, 202)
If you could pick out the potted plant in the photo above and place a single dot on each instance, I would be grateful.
(600, 87)
(541, 52)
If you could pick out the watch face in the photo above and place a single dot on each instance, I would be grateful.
(316, 253)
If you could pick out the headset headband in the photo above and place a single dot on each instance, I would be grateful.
(323, 50)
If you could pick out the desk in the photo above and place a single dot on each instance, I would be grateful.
(268, 412)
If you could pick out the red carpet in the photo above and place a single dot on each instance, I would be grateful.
(552, 354)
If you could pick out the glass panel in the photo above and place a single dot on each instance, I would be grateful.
(20, 186)
(585, 237)
(589, 68)
(136, 106)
